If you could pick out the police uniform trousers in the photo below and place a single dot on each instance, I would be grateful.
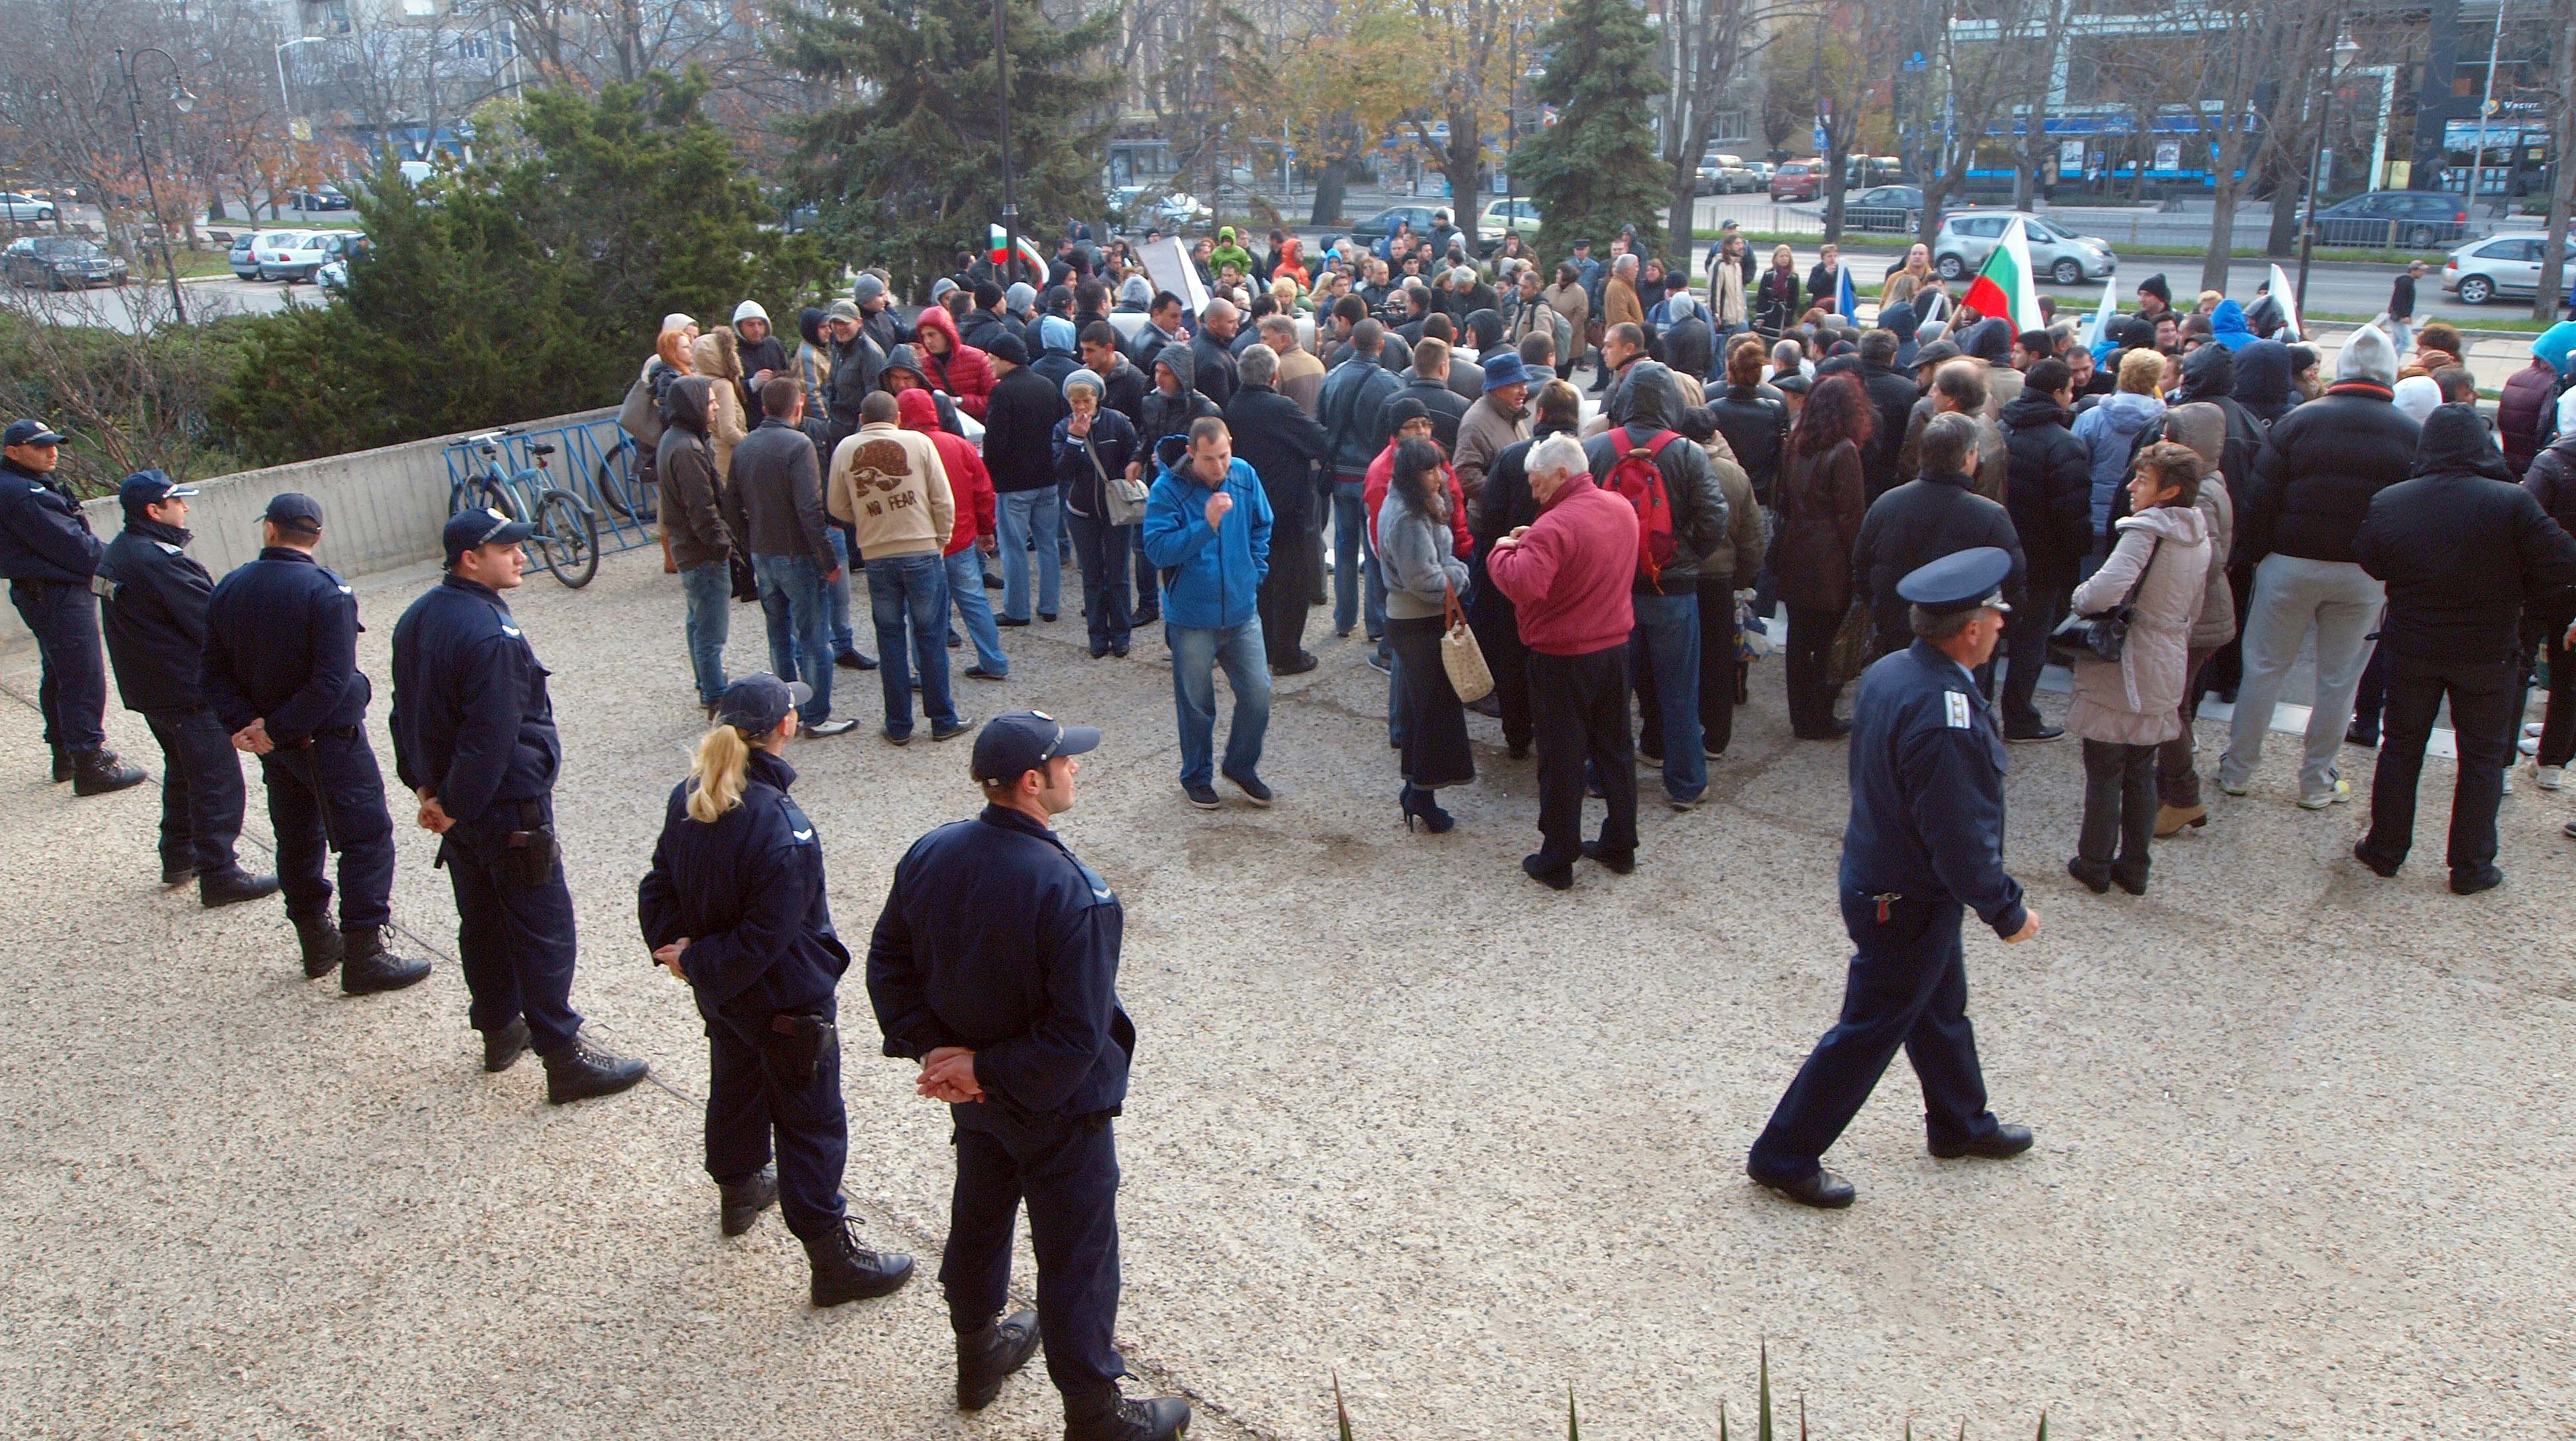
(201, 791)
(751, 1094)
(1908, 986)
(514, 938)
(73, 691)
(1066, 1168)
(358, 826)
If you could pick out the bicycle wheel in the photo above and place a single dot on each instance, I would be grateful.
(623, 487)
(566, 538)
(492, 494)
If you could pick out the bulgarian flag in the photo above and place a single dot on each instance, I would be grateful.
(2003, 285)
(997, 247)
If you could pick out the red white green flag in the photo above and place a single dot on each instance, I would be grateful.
(2004, 286)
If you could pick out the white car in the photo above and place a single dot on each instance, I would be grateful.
(273, 247)
(2504, 265)
(304, 256)
(1968, 237)
(20, 208)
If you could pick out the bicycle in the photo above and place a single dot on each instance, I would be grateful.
(624, 482)
(566, 535)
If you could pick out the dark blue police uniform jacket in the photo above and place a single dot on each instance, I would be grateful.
(748, 892)
(1927, 789)
(996, 939)
(471, 719)
(282, 645)
(43, 534)
(155, 616)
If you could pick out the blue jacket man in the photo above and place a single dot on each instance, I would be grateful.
(49, 554)
(1207, 528)
(474, 739)
(281, 672)
(1923, 847)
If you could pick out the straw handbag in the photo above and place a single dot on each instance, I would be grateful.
(1462, 658)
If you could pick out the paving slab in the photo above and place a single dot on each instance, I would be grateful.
(1399, 1116)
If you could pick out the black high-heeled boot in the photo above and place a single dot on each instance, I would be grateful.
(1419, 804)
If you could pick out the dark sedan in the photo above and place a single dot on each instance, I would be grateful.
(2415, 219)
(320, 197)
(1896, 208)
(61, 262)
(1377, 227)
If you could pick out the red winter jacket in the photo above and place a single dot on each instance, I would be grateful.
(968, 481)
(1569, 578)
(1381, 476)
(962, 372)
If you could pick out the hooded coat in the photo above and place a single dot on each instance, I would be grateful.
(2209, 378)
(684, 465)
(2137, 699)
(963, 373)
(2227, 325)
(2460, 547)
(718, 359)
(1056, 351)
(2200, 426)
(1160, 415)
(2263, 383)
(1690, 487)
(970, 486)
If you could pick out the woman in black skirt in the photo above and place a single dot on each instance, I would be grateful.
(1417, 550)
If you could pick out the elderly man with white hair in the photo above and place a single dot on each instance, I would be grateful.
(1568, 575)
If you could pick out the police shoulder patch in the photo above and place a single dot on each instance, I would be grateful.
(165, 545)
(509, 630)
(800, 831)
(1101, 894)
(1955, 709)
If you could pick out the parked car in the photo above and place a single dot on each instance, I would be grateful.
(1381, 225)
(1797, 180)
(1866, 170)
(59, 262)
(1969, 236)
(2416, 219)
(1725, 175)
(1762, 170)
(319, 197)
(1181, 210)
(2505, 265)
(265, 244)
(18, 207)
(1896, 208)
(298, 258)
(1489, 223)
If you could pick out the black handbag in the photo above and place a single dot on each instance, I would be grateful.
(2106, 633)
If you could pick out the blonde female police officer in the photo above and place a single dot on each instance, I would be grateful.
(734, 906)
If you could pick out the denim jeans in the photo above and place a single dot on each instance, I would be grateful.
(1196, 653)
(837, 594)
(912, 588)
(709, 590)
(1024, 513)
(791, 588)
(1353, 556)
(966, 587)
(1107, 611)
(1667, 639)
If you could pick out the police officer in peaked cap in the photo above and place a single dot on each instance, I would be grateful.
(282, 675)
(153, 600)
(49, 554)
(1924, 846)
(995, 965)
(474, 739)
(734, 906)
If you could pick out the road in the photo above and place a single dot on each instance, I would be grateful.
(149, 299)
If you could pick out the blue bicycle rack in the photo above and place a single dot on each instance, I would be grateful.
(584, 451)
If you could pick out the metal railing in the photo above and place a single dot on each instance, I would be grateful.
(593, 459)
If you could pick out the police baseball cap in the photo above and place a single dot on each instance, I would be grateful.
(31, 432)
(1017, 742)
(294, 510)
(468, 529)
(149, 487)
(756, 703)
(1963, 580)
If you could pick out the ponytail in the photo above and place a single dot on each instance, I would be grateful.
(719, 767)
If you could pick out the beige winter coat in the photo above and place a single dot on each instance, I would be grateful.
(715, 357)
(2139, 700)
(2203, 427)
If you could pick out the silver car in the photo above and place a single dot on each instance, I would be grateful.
(2504, 265)
(1967, 238)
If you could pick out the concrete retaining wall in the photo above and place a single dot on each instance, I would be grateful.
(381, 509)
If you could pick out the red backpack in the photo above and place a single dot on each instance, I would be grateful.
(1637, 480)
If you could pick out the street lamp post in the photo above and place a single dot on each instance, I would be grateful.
(2336, 59)
(284, 102)
(180, 100)
(1010, 209)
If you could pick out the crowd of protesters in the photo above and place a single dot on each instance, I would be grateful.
(1417, 431)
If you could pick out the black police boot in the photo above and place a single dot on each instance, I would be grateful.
(1106, 1415)
(369, 967)
(503, 1048)
(62, 765)
(745, 1199)
(322, 945)
(844, 1270)
(581, 1070)
(987, 1355)
(98, 772)
(231, 888)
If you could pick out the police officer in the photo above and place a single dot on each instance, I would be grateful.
(474, 739)
(49, 555)
(995, 965)
(282, 675)
(734, 906)
(152, 607)
(1924, 846)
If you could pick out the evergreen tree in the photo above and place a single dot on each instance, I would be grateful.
(529, 284)
(909, 173)
(1594, 170)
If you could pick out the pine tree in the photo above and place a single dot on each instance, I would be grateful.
(909, 173)
(1594, 170)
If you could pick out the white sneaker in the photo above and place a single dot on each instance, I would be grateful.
(2508, 782)
(2549, 778)
(2529, 745)
(2531, 728)
(2342, 792)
